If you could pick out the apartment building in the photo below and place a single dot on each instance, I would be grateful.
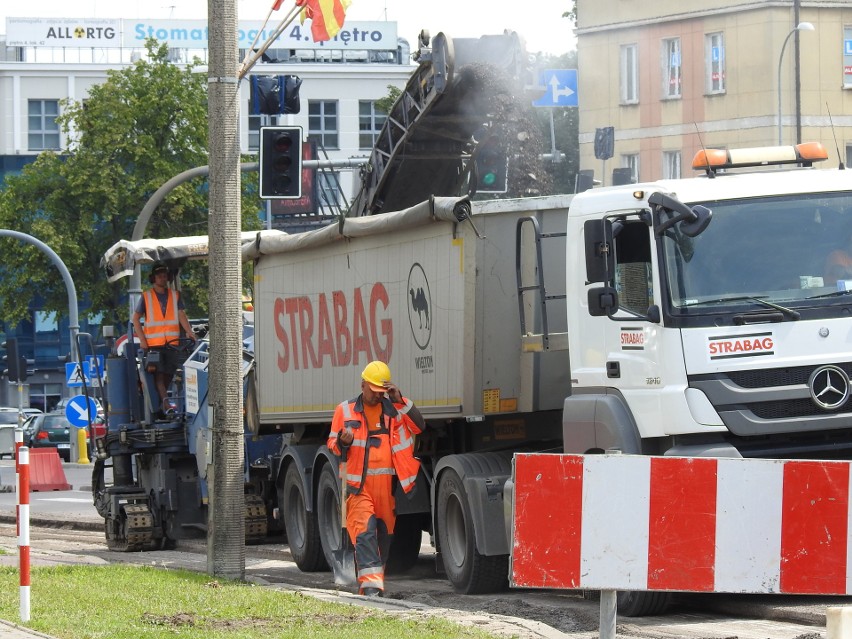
(670, 76)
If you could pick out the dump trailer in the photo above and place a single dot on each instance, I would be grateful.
(432, 291)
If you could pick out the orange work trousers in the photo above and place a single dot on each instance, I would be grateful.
(371, 516)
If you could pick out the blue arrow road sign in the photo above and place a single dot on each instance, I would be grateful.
(560, 88)
(78, 412)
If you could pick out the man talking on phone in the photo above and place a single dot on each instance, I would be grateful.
(374, 434)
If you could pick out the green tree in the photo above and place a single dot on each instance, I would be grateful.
(386, 103)
(145, 124)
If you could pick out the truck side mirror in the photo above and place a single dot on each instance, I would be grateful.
(603, 300)
(600, 257)
(692, 221)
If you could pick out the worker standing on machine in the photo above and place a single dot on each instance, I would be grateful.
(164, 314)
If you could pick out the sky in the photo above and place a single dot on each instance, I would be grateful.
(542, 27)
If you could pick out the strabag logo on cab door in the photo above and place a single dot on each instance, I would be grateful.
(751, 345)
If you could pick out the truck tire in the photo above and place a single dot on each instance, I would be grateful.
(301, 525)
(405, 547)
(636, 603)
(468, 571)
(328, 512)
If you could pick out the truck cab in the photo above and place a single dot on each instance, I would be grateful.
(712, 313)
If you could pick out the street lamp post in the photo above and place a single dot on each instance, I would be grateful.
(802, 26)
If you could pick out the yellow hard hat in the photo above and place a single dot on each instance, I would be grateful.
(376, 374)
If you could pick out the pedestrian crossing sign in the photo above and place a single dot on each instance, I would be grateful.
(75, 375)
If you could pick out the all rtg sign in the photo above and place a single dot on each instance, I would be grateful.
(621, 522)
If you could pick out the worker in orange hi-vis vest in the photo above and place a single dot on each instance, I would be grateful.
(375, 434)
(163, 310)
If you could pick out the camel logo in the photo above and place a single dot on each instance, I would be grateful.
(419, 306)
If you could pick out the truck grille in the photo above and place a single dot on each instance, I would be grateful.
(771, 401)
(771, 377)
(792, 408)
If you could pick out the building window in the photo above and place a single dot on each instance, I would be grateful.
(322, 123)
(671, 68)
(329, 189)
(254, 124)
(46, 322)
(629, 74)
(257, 120)
(847, 57)
(45, 396)
(631, 162)
(714, 62)
(849, 155)
(371, 119)
(42, 129)
(671, 165)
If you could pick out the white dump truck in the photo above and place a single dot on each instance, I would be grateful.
(707, 316)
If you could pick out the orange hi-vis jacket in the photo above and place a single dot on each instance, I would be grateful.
(401, 429)
(161, 328)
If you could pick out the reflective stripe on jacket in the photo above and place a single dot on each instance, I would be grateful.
(160, 328)
(401, 429)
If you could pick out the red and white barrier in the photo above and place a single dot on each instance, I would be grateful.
(24, 530)
(621, 522)
(19, 441)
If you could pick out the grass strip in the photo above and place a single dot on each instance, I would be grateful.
(141, 602)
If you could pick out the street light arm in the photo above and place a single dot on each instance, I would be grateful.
(780, 59)
(802, 26)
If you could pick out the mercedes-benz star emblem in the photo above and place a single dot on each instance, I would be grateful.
(829, 386)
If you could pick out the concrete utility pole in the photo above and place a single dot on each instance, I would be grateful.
(226, 520)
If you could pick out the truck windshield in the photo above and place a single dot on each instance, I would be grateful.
(780, 249)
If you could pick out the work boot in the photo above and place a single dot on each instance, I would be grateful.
(371, 592)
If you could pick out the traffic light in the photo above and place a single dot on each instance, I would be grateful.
(13, 360)
(280, 162)
(23, 363)
(492, 167)
(604, 142)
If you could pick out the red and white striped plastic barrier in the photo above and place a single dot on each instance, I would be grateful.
(19, 441)
(24, 530)
(622, 522)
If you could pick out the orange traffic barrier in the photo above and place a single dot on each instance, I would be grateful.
(46, 470)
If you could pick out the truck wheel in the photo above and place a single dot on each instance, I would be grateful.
(301, 525)
(405, 547)
(635, 603)
(467, 570)
(328, 512)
